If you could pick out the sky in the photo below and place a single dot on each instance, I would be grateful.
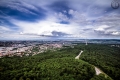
(58, 19)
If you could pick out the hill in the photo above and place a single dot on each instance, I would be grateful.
(61, 64)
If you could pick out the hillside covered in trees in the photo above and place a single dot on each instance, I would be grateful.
(62, 65)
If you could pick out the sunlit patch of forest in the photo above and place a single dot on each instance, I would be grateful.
(61, 64)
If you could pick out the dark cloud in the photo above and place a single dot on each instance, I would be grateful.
(59, 6)
(87, 29)
(64, 22)
(17, 11)
(108, 34)
(56, 33)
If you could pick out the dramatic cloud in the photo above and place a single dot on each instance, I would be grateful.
(47, 19)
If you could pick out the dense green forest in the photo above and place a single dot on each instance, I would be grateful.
(61, 64)
(107, 58)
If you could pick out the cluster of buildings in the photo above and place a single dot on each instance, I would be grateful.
(115, 45)
(13, 51)
(23, 50)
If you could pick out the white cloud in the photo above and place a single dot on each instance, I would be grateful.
(15, 36)
(5, 30)
(2, 28)
(80, 24)
(45, 27)
(102, 28)
(115, 33)
(77, 17)
(18, 5)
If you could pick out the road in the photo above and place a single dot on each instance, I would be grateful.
(98, 71)
(77, 57)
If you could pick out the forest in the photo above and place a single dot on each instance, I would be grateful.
(62, 65)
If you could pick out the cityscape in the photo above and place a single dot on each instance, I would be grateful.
(59, 39)
(26, 48)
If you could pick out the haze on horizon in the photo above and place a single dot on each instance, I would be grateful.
(58, 19)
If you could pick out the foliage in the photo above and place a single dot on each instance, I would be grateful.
(61, 64)
(104, 56)
(57, 65)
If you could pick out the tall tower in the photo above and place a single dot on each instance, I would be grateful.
(86, 42)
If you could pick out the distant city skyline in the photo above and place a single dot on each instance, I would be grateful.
(58, 19)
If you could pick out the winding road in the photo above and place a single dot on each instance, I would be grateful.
(97, 70)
